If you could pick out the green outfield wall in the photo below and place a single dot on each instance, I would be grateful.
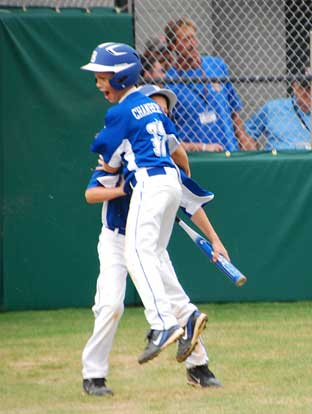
(262, 212)
(50, 111)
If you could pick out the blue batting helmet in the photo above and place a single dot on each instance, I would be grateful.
(150, 90)
(118, 58)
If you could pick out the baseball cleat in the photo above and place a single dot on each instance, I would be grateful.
(192, 330)
(96, 386)
(201, 376)
(159, 340)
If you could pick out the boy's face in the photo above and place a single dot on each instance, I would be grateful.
(157, 72)
(303, 94)
(103, 85)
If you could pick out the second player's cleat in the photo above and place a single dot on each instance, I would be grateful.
(192, 330)
(159, 340)
(201, 376)
(96, 386)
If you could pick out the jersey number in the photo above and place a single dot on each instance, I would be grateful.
(157, 130)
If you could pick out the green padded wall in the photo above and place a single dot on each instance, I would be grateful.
(50, 112)
(262, 211)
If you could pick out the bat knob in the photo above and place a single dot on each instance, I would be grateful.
(241, 281)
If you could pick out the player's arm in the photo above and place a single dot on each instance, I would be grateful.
(100, 194)
(200, 219)
(177, 152)
(180, 158)
(194, 197)
(103, 186)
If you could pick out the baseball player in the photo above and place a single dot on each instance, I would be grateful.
(111, 284)
(135, 137)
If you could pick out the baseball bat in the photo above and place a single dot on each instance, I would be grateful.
(222, 263)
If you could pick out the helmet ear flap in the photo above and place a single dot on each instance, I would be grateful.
(126, 77)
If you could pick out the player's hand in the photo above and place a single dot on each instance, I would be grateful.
(101, 164)
(218, 249)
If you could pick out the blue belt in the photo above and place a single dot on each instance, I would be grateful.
(120, 230)
(156, 171)
(150, 172)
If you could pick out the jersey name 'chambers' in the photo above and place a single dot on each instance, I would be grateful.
(145, 109)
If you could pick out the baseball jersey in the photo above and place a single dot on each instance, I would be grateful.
(203, 113)
(114, 212)
(283, 123)
(135, 136)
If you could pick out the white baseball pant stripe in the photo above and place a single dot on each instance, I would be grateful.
(153, 207)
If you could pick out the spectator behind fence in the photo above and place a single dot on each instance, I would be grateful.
(156, 59)
(207, 114)
(152, 70)
(284, 123)
(157, 47)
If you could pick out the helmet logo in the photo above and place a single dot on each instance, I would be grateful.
(114, 52)
(93, 57)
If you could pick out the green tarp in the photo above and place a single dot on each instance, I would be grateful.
(262, 212)
(50, 112)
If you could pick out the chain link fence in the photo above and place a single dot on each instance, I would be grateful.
(60, 4)
(254, 69)
(251, 87)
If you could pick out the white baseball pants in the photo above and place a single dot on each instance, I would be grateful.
(109, 305)
(154, 203)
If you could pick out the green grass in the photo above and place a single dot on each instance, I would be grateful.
(262, 353)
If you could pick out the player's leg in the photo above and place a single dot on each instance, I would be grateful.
(190, 346)
(180, 301)
(189, 317)
(197, 372)
(108, 309)
(153, 207)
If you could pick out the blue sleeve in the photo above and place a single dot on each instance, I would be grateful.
(96, 178)
(193, 195)
(234, 100)
(111, 136)
(256, 124)
(169, 126)
(98, 143)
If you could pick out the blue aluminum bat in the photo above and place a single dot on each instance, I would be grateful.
(222, 263)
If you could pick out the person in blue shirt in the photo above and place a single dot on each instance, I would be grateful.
(111, 284)
(284, 123)
(207, 114)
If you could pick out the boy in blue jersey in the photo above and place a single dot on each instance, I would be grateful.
(135, 137)
(111, 284)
